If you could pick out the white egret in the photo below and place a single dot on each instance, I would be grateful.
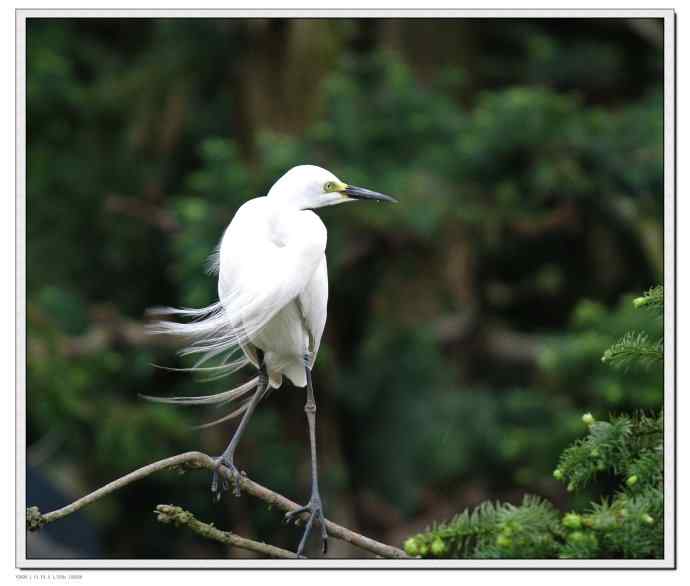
(271, 312)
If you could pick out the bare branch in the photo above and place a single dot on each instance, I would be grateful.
(178, 516)
(35, 519)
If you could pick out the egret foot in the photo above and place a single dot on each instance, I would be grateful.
(219, 484)
(315, 510)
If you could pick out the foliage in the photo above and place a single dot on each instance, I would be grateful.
(635, 347)
(499, 530)
(632, 348)
(465, 324)
(627, 523)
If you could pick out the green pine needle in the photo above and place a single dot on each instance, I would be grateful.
(653, 299)
(634, 349)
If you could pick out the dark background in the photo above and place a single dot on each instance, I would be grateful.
(466, 324)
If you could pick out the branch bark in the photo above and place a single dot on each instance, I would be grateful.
(179, 517)
(196, 460)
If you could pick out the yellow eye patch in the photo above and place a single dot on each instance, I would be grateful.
(332, 186)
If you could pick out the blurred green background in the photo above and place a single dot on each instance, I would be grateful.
(466, 325)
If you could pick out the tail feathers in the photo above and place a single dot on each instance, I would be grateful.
(210, 334)
(215, 399)
(237, 412)
(240, 410)
(219, 330)
(220, 399)
(223, 328)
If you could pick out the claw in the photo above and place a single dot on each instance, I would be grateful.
(294, 515)
(224, 484)
(324, 537)
(315, 510)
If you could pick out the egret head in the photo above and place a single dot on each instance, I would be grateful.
(309, 187)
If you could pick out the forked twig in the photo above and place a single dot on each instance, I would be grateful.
(196, 460)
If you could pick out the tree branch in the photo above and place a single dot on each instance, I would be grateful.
(35, 519)
(178, 516)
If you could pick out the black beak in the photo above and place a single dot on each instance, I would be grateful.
(362, 193)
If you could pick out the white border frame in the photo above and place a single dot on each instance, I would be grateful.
(669, 560)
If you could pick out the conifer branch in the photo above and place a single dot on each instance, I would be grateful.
(627, 523)
(634, 348)
(493, 530)
(653, 299)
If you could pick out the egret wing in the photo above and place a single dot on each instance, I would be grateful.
(313, 303)
(266, 262)
(248, 349)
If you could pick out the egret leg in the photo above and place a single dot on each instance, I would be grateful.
(227, 459)
(314, 507)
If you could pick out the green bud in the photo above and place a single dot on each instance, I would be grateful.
(438, 547)
(594, 453)
(576, 537)
(631, 481)
(648, 519)
(558, 474)
(411, 547)
(639, 302)
(424, 549)
(571, 487)
(572, 521)
(588, 419)
(504, 541)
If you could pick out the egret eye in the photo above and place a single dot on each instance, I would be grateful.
(329, 186)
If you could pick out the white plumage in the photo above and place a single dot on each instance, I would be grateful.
(272, 295)
(272, 283)
(283, 263)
